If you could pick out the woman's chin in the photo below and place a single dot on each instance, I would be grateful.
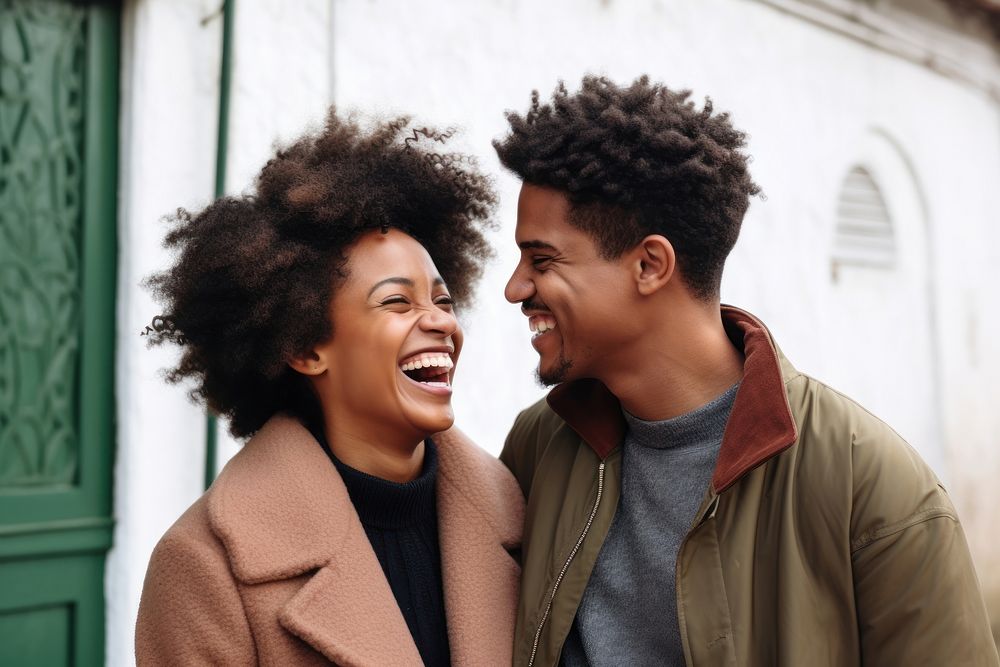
(443, 424)
(431, 423)
(427, 413)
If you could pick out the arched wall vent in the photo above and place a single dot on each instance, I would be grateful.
(864, 235)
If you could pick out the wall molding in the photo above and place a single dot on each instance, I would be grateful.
(949, 56)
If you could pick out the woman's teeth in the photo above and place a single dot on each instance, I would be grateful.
(429, 369)
(427, 361)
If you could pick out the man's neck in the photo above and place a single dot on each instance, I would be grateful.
(681, 363)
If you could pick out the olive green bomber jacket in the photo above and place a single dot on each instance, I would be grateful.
(823, 539)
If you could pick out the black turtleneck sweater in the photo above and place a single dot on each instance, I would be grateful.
(401, 523)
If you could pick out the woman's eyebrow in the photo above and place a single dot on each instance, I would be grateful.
(395, 280)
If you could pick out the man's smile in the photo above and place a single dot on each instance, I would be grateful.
(539, 324)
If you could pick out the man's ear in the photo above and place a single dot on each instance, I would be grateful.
(311, 363)
(654, 262)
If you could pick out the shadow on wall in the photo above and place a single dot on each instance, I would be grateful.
(993, 607)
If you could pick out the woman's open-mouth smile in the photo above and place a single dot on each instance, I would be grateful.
(430, 371)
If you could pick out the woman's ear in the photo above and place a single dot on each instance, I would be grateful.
(311, 363)
(654, 262)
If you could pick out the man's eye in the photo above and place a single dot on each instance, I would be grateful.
(539, 262)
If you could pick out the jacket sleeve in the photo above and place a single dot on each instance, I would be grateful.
(191, 612)
(917, 597)
(919, 601)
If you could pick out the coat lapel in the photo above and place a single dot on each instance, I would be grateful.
(480, 514)
(347, 611)
(281, 510)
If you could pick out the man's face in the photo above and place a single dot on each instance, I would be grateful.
(577, 303)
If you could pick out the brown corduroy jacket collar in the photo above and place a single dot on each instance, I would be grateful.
(760, 424)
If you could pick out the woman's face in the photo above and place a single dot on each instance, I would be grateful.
(391, 359)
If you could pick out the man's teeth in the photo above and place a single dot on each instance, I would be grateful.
(428, 361)
(541, 326)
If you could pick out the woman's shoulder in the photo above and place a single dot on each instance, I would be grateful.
(278, 506)
(190, 610)
(191, 528)
(458, 454)
(188, 550)
(246, 470)
(479, 478)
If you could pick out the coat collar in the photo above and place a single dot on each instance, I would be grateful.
(281, 510)
(760, 424)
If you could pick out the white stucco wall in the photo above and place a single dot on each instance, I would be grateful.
(814, 102)
(168, 117)
(170, 84)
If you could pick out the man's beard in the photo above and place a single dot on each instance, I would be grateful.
(557, 374)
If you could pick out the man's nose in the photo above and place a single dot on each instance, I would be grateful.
(518, 287)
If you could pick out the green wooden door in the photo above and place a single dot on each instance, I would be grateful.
(58, 164)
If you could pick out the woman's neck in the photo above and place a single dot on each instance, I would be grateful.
(395, 462)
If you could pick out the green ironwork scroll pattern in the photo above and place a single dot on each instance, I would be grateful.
(42, 66)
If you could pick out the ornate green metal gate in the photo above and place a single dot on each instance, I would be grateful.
(58, 176)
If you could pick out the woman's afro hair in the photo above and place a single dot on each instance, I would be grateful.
(637, 160)
(255, 274)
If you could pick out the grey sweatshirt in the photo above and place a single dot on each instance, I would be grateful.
(628, 614)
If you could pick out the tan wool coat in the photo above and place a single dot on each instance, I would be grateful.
(272, 565)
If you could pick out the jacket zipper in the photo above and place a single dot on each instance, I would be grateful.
(572, 555)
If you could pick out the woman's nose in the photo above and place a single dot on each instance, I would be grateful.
(439, 320)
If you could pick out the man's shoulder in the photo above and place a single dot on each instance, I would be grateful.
(538, 419)
(840, 440)
(828, 418)
(529, 438)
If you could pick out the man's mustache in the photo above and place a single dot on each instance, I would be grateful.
(528, 304)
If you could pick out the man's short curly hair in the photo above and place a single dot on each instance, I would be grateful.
(255, 274)
(638, 160)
